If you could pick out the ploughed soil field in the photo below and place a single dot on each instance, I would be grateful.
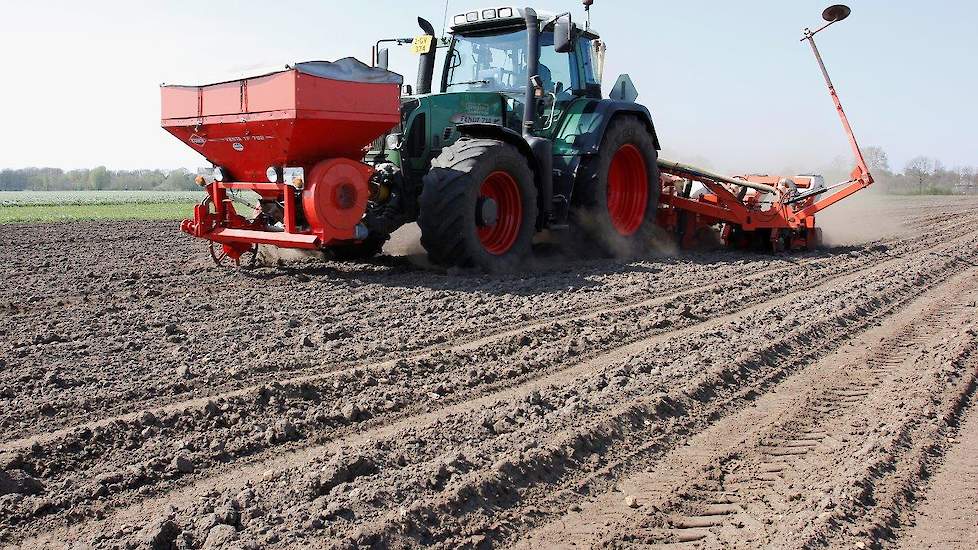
(149, 399)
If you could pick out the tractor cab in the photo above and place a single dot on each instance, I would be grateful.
(492, 51)
(493, 63)
(489, 51)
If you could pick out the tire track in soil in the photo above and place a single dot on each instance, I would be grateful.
(461, 344)
(543, 498)
(462, 349)
(466, 340)
(253, 380)
(946, 515)
(888, 484)
(767, 470)
(893, 484)
(216, 390)
(127, 445)
(113, 414)
(287, 459)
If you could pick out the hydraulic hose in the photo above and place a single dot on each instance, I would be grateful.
(694, 172)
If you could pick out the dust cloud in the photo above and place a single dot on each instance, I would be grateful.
(406, 241)
(859, 219)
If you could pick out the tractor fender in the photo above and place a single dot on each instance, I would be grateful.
(604, 111)
(588, 135)
(494, 131)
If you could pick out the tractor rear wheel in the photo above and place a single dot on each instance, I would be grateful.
(618, 191)
(478, 206)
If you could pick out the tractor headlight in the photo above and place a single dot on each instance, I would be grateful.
(274, 174)
(218, 173)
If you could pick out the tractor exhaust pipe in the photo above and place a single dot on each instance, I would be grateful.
(542, 148)
(532, 69)
(426, 67)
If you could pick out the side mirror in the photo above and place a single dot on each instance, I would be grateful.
(383, 58)
(564, 34)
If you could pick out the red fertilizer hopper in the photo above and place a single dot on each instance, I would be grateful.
(317, 116)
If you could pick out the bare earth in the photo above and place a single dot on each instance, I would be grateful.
(721, 400)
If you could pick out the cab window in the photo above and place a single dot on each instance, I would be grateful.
(589, 61)
(558, 71)
(492, 62)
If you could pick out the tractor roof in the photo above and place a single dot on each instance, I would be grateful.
(504, 16)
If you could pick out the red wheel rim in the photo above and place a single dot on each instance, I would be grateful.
(628, 190)
(502, 188)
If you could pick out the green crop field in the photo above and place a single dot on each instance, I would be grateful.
(57, 206)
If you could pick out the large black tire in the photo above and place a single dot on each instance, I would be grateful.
(364, 250)
(456, 188)
(622, 226)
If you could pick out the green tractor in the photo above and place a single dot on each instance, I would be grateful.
(516, 140)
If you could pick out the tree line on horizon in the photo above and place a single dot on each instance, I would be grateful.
(96, 179)
(921, 175)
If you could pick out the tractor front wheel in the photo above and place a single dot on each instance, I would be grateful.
(478, 206)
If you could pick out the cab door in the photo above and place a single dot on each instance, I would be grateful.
(561, 77)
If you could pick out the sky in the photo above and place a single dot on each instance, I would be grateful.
(728, 83)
